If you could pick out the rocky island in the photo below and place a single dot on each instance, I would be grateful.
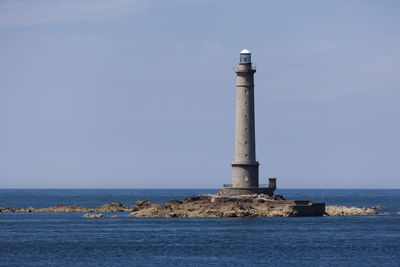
(211, 206)
(241, 206)
(109, 207)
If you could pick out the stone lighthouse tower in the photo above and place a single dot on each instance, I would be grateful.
(245, 166)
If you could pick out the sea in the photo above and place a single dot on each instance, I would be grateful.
(67, 239)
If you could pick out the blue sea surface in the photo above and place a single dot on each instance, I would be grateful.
(69, 239)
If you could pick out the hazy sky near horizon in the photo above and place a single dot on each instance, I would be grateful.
(141, 94)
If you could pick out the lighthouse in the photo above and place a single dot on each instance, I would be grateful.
(245, 167)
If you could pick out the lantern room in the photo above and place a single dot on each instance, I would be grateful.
(245, 56)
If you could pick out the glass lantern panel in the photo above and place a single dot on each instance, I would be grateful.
(245, 58)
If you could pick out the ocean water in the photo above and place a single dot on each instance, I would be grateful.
(68, 239)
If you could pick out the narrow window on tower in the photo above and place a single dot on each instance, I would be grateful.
(245, 155)
(246, 91)
(245, 115)
(245, 142)
(245, 129)
(245, 103)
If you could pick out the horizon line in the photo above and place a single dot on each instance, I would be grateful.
(178, 188)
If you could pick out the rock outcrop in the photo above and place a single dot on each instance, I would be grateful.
(109, 207)
(60, 208)
(378, 207)
(5, 209)
(214, 206)
(112, 207)
(92, 215)
(348, 211)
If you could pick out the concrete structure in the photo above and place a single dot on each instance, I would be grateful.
(245, 166)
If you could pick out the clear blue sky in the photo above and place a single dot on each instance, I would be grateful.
(141, 94)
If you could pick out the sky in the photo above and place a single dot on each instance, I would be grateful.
(141, 94)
